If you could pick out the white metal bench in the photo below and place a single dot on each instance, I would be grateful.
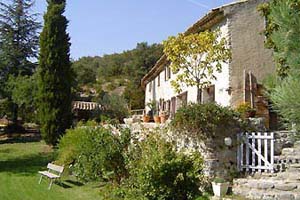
(54, 172)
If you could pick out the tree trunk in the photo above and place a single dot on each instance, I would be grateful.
(15, 109)
(199, 95)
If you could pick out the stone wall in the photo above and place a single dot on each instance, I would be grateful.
(220, 160)
(247, 43)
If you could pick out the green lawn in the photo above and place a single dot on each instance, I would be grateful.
(19, 166)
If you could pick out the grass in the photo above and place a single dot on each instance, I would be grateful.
(19, 166)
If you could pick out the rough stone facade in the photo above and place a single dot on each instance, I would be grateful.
(246, 26)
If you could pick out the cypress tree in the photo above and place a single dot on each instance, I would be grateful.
(55, 74)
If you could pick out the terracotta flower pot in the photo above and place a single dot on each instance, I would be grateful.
(250, 113)
(156, 119)
(146, 118)
(163, 118)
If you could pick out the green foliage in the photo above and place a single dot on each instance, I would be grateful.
(18, 45)
(70, 144)
(85, 70)
(157, 171)
(134, 95)
(5, 108)
(270, 83)
(286, 99)
(129, 66)
(55, 76)
(23, 93)
(283, 34)
(283, 21)
(195, 58)
(95, 152)
(115, 107)
(206, 120)
(245, 109)
(19, 38)
(148, 169)
(219, 180)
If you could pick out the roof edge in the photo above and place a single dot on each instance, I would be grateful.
(204, 23)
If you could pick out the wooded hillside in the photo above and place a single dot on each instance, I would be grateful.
(118, 73)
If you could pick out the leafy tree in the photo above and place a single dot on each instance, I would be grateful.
(115, 106)
(86, 70)
(196, 58)
(134, 95)
(23, 92)
(286, 99)
(283, 32)
(55, 74)
(127, 68)
(18, 44)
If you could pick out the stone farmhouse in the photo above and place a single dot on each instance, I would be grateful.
(240, 80)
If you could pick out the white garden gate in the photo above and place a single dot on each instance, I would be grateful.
(255, 152)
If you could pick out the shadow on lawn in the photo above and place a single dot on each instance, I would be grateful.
(74, 182)
(11, 139)
(69, 184)
(27, 165)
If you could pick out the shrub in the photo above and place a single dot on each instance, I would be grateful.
(95, 152)
(157, 171)
(115, 107)
(69, 145)
(206, 120)
(285, 97)
(245, 110)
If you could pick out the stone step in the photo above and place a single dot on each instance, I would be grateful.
(270, 183)
(267, 188)
(290, 152)
(297, 166)
(290, 176)
(268, 194)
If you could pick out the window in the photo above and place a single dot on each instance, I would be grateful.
(168, 106)
(158, 80)
(167, 73)
(150, 86)
(173, 106)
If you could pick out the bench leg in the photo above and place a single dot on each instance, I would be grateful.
(41, 179)
(50, 184)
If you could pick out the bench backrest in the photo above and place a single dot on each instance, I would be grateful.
(55, 168)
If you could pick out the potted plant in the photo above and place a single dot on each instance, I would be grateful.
(164, 115)
(156, 118)
(246, 110)
(146, 118)
(152, 110)
(220, 187)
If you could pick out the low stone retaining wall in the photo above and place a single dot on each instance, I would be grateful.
(219, 159)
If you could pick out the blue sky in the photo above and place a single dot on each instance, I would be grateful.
(100, 27)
